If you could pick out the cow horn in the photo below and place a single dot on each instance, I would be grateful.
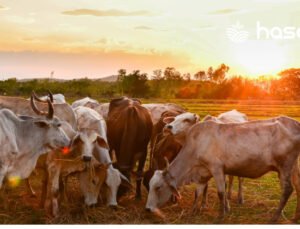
(50, 110)
(125, 181)
(50, 96)
(154, 165)
(34, 107)
(37, 98)
(167, 163)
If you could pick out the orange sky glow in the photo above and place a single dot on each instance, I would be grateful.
(94, 38)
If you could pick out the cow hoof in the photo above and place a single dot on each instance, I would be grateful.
(204, 206)
(114, 207)
(219, 219)
(32, 194)
(138, 198)
(294, 220)
(174, 199)
(273, 220)
(241, 201)
(195, 211)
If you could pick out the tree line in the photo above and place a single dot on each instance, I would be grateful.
(168, 83)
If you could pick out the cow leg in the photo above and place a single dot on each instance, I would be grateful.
(296, 182)
(287, 189)
(138, 194)
(44, 189)
(200, 191)
(55, 194)
(204, 197)
(220, 183)
(240, 195)
(230, 184)
(2, 186)
(63, 188)
(29, 187)
(51, 204)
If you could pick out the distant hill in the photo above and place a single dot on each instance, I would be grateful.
(112, 78)
(50, 79)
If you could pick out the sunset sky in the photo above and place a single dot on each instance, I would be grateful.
(93, 38)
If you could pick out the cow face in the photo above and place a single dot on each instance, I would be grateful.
(54, 135)
(160, 191)
(91, 182)
(113, 181)
(83, 145)
(180, 124)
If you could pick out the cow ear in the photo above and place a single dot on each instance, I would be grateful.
(168, 120)
(174, 190)
(197, 117)
(42, 123)
(77, 139)
(101, 142)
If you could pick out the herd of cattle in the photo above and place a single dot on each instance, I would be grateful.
(102, 144)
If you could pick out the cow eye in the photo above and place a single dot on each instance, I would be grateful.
(94, 182)
(187, 120)
(157, 188)
(58, 125)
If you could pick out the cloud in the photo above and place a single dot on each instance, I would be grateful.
(224, 11)
(106, 13)
(204, 27)
(143, 27)
(3, 7)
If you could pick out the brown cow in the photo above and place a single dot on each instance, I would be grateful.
(129, 128)
(161, 147)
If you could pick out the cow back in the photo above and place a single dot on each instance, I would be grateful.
(129, 129)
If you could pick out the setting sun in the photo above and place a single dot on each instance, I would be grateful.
(261, 57)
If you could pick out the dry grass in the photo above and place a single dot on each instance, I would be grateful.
(261, 199)
(261, 195)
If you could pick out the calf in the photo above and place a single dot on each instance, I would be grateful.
(90, 121)
(161, 147)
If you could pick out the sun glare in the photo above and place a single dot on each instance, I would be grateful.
(261, 57)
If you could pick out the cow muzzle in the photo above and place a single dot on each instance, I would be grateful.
(87, 158)
(167, 130)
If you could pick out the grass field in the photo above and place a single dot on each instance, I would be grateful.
(261, 195)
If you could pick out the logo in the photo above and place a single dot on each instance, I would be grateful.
(237, 34)
(277, 33)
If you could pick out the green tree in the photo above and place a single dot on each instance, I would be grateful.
(133, 84)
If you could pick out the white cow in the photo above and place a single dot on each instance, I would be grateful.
(23, 141)
(85, 101)
(156, 109)
(184, 121)
(248, 149)
(57, 98)
(90, 121)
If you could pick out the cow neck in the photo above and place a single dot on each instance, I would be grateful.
(29, 137)
(180, 168)
(103, 155)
